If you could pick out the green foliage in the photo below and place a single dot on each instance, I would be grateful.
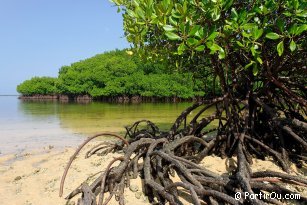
(91, 75)
(116, 73)
(38, 85)
(258, 31)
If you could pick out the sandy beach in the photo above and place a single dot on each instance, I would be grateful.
(33, 178)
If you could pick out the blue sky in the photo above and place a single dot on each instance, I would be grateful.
(37, 37)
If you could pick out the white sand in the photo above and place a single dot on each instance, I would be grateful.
(34, 178)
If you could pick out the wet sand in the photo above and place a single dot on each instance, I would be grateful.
(33, 178)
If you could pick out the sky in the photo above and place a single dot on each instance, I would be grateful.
(37, 37)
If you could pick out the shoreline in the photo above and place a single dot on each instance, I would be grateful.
(112, 99)
(34, 177)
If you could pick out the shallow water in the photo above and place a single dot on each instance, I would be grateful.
(28, 124)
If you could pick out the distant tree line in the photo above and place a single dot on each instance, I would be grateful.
(38, 85)
(116, 73)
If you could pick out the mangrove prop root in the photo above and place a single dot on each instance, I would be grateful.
(246, 128)
(104, 178)
(79, 149)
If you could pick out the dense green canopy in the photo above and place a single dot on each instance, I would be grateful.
(38, 85)
(242, 34)
(117, 73)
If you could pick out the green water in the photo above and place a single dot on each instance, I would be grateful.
(27, 124)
